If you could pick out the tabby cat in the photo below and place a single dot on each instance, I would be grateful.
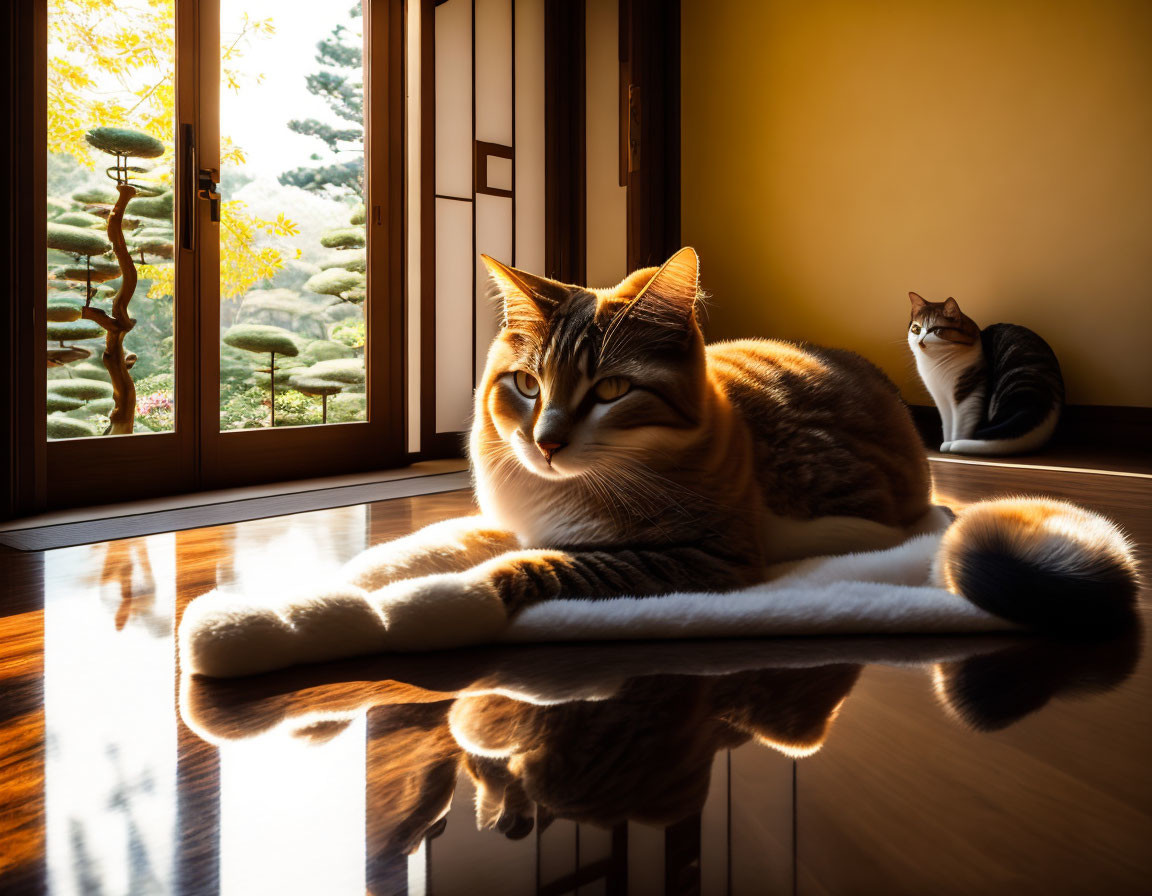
(998, 390)
(614, 453)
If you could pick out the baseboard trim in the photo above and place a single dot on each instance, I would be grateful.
(1081, 425)
(45, 536)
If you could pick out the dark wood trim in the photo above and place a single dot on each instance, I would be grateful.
(472, 341)
(104, 469)
(1081, 426)
(22, 198)
(650, 74)
(512, 100)
(481, 152)
(387, 115)
(270, 455)
(564, 140)
(433, 445)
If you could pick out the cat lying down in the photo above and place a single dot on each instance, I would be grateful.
(635, 483)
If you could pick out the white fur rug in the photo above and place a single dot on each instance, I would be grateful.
(879, 592)
(872, 593)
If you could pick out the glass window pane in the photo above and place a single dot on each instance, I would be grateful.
(110, 235)
(293, 258)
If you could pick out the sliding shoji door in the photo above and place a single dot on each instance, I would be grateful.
(480, 168)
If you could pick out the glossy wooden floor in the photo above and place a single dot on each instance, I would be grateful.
(919, 766)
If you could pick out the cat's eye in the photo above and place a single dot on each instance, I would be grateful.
(612, 388)
(915, 329)
(526, 384)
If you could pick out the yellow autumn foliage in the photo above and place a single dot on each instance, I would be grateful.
(113, 66)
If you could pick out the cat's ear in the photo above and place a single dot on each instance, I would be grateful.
(951, 308)
(526, 297)
(918, 302)
(676, 283)
(656, 305)
(666, 294)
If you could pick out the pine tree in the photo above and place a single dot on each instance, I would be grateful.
(340, 83)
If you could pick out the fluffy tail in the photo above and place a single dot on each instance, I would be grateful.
(1040, 563)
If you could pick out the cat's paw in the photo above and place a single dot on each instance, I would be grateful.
(945, 447)
(224, 635)
(440, 612)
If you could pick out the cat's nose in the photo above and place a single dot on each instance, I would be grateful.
(549, 448)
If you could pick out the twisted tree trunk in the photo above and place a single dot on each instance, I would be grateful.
(118, 323)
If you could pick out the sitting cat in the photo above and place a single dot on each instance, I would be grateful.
(615, 454)
(998, 390)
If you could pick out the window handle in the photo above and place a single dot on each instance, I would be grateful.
(188, 197)
(206, 189)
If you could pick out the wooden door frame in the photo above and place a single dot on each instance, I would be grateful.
(107, 469)
(650, 64)
(565, 141)
(23, 430)
(267, 455)
(42, 475)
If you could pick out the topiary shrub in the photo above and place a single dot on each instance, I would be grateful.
(64, 306)
(90, 371)
(343, 238)
(338, 282)
(94, 270)
(341, 370)
(314, 385)
(102, 406)
(262, 339)
(61, 427)
(347, 407)
(350, 259)
(153, 206)
(125, 142)
(85, 390)
(74, 330)
(79, 219)
(56, 402)
(285, 369)
(96, 196)
(323, 350)
(77, 240)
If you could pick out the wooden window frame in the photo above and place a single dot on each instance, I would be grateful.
(48, 475)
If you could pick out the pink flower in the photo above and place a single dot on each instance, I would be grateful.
(157, 402)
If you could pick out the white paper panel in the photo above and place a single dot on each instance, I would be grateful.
(494, 71)
(499, 173)
(607, 210)
(454, 299)
(530, 135)
(493, 237)
(454, 98)
(412, 113)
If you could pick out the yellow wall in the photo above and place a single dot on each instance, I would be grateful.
(839, 153)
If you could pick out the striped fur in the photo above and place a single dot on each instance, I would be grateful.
(615, 456)
(998, 390)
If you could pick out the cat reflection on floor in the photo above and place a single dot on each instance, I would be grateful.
(543, 733)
